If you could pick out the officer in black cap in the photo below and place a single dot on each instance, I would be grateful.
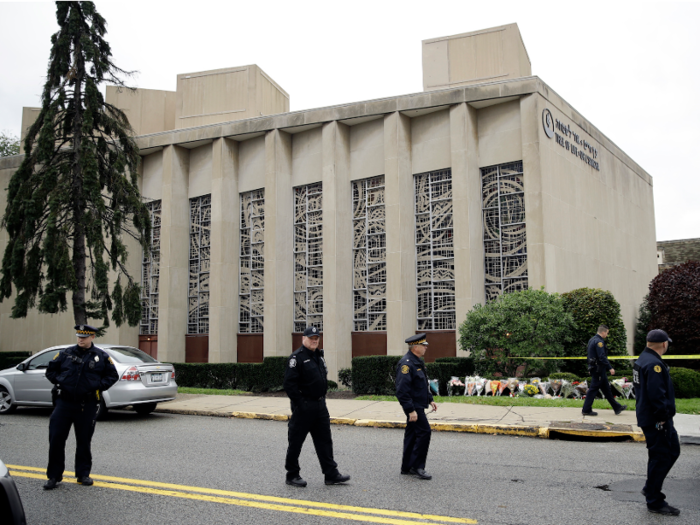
(306, 383)
(413, 392)
(80, 374)
(656, 406)
(598, 367)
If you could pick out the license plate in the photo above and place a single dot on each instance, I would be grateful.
(157, 378)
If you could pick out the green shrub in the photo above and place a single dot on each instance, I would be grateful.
(591, 307)
(345, 377)
(567, 376)
(332, 385)
(254, 377)
(12, 359)
(444, 368)
(686, 382)
(374, 375)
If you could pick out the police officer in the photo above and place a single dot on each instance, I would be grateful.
(413, 392)
(598, 367)
(305, 381)
(656, 406)
(81, 373)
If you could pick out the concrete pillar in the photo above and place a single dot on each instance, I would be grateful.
(466, 205)
(531, 124)
(279, 236)
(337, 247)
(400, 235)
(174, 256)
(225, 232)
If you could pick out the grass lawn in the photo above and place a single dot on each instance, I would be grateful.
(683, 406)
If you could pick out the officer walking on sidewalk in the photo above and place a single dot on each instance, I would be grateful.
(81, 373)
(413, 392)
(305, 381)
(599, 366)
(656, 406)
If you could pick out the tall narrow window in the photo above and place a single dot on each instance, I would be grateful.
(252, 265)
(505, 243)
(198, 294)
(150, 271)
(435, 265)
(308, 256)
(369, 254)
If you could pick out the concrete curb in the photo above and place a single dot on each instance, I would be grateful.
(507, 430)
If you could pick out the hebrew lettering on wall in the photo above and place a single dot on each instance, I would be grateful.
(435, 267)
(252, 263)
(150, 270)
(505, 242)
(369, 254)
(308, 257)
(200, 245)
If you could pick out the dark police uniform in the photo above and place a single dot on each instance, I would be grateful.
(413, 392)
(656, 402)
(598, 366)
(306, 383)
(80, 377)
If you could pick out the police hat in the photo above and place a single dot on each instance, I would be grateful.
(312, 331)
(658, 336)
(85, 330)
(418, 339)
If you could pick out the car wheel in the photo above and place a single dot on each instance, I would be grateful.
(101, 410)
(145, 408)
(6, 405)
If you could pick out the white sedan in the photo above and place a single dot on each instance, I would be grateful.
(143, 381)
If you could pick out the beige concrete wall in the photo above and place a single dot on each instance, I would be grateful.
(497, 53)
(152, 180)
(29, 116)
(251, 160)
(430, 142)
(367, 149)
(271, 97)
(499, 134)
(148, 110)
(200, 171)
(306, 158)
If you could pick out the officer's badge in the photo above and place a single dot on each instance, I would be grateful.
(292, 362)
(600, 345)
(97, 358)
(657, 369)
(404, 369)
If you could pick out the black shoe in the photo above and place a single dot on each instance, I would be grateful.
(337, 478)
(51, 484)
(296, 481)
(591, 413)
(85, 480)
(666, 510)
(406, 472)
(620, 410)
(420, 473)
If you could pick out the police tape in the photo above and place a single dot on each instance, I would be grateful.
(627, 357)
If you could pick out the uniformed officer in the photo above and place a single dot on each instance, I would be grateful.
(413, 392)
(599, 366)
(81, 373)
(656, 406)
(306, 383)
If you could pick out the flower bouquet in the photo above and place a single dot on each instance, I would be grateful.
(434, 386)
(535, 381)
(512, 386)
(567, 389)
(530, 390)
(623, 387)
(495, 386)
(581, 389)
(502, 385)
(480, 383)
(454, 385)
(521, 387)
(471, 385)
(543, 386)
(555, 385)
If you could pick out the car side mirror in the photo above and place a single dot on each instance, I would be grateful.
(21, 367)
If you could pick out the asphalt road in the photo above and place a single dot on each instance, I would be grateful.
(192, 469)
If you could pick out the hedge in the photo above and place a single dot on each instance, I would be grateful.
(376, 375)
(686, 382)
(12, 359)
(255, 377)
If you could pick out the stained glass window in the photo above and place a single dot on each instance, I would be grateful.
(252, 263)
(308, 256)
(200, 243)
(150, 270)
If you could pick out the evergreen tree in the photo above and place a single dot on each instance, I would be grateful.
(75, 194)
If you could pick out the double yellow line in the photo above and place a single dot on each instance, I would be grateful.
(241, 499)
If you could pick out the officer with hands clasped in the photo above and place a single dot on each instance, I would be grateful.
(656, 406)
(413, 392)
(306, 384)
(599, 366)
(80, 374)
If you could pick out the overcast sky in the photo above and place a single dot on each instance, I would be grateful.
(631, 68)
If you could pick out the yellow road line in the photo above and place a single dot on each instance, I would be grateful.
(284, 504)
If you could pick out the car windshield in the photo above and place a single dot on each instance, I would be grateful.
(127, 354)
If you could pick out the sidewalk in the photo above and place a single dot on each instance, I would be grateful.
(542, 422)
